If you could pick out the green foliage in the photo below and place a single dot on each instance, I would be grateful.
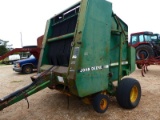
(3, 50)
(5, 43)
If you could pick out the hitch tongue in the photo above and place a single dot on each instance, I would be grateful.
(37, 85)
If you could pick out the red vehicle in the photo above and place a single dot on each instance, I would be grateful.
(156, 38)
(35, 50)
(144, 45)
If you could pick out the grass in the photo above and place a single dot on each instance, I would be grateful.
(1, 63)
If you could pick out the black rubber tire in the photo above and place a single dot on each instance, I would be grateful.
(27, 69)
(139, 66)
(125, 90)
(97, 102)
(146, 50)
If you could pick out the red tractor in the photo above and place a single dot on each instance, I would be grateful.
(156, 38)
(146, 45)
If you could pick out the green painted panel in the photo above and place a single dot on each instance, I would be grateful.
(44, 51)
(94, 51)
(131, 58)
(116, 39)
(114, 48)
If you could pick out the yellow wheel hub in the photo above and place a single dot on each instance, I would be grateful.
(103, 104)
(134, 94)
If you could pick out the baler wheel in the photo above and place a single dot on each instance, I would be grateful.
(128, 93)
(100, 103)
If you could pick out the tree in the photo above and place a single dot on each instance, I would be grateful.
(3, 50)
(5, 43)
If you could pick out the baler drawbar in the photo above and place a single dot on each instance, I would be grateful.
(38, 84)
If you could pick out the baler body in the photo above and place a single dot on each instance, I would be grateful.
(88, 42)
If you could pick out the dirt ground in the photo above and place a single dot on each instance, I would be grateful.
(52, 105)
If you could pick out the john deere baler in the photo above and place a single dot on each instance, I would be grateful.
(85, 53)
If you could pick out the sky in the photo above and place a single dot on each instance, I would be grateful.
(28, 17)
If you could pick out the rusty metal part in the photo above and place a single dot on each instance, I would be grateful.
(146, 62)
